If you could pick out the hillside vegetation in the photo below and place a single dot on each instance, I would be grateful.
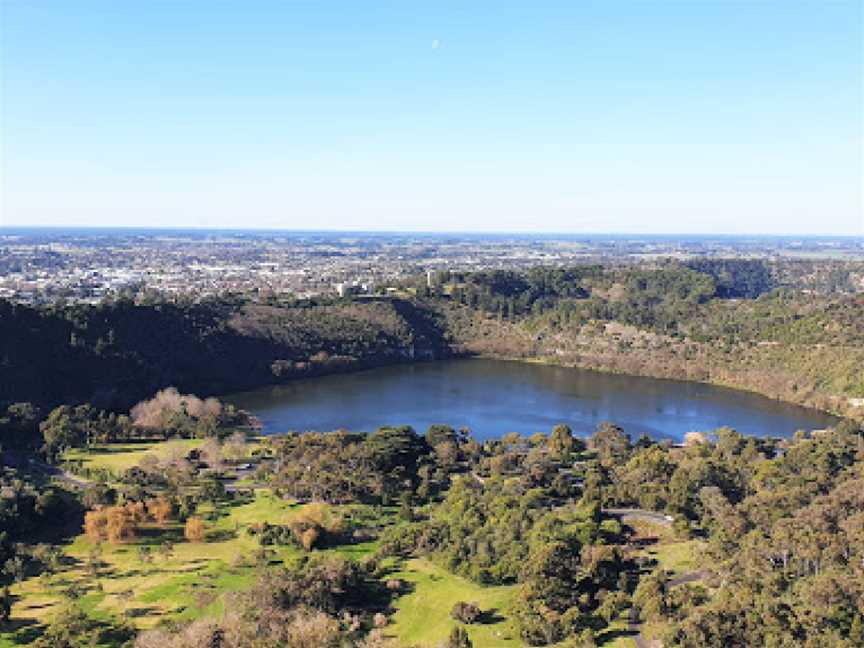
(396, 539)
(670, 321)
(118, 352)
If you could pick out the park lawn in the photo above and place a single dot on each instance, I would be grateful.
(423, 616)
(673, 555)
(118, 457)
(617, 634)
(677, 557)
(189, 583)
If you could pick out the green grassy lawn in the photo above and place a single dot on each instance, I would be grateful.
(617, 634)
(423, 616)
(423, 619)
(118, 457)
(189, 583)
(677, 557)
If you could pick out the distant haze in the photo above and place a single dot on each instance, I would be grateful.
(656, 117)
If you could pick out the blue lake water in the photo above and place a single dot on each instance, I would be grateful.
(494, 397)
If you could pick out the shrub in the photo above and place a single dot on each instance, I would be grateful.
(194, 530)
(466, 612)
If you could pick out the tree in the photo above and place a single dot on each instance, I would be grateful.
(166, 549)
(406, 507)
(14, 568)
(63, 429)
(145, 555)
(212, 490)
(459, 638)
(235, 447)
(466, 612)
(650, 595)
(94, 560)
(611, 444)
(5, 605)
(98, 494)
(121, 523)
(159, 509)
(561, 440)
(309, 537)
(194, 530)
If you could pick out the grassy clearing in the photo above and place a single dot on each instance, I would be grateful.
(617, 635)
(423, 616)
(118, 457)
(675, 556)
(189, 583)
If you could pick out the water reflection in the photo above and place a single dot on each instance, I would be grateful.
(493, 397)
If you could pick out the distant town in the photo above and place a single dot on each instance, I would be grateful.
(39, 265)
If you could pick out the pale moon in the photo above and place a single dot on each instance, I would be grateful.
(436, 44)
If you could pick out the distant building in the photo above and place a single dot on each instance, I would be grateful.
(431, 278)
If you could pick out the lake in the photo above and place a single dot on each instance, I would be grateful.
(494, 397)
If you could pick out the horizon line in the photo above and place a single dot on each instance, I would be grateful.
(199, 228)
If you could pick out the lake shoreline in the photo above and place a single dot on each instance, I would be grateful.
(495, 396)
(554, 362)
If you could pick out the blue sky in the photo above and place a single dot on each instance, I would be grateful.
(612, 116)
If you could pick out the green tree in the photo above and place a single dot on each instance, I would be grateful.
(561, 440)
(459, 638)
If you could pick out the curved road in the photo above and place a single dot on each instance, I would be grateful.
(641, 514)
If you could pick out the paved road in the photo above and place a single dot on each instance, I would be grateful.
(641, 514)
(692, 577)
(25, 462)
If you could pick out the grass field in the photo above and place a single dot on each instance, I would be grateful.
(423, 616)
(675, 556)
(118, 457)
(188, 583)
(191, 581)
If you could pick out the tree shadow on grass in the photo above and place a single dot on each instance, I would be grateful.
(490, 616)
(608, 636)
(137, 612)
(24, 631)
(153, 535)
(221, 535)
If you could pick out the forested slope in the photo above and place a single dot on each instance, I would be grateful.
(724, 322)
(115, 354)
(670, 321)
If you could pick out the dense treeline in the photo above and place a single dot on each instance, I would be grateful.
(116, 353)
(727, 321)
(340, 467)
(31, 511)
(785, 543)
(707, 320)
(780, 524)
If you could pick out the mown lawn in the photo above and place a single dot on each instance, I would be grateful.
(118, 457)
(189, 583)
(677, 557)
(423, 616)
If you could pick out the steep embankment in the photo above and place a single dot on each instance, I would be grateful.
(114, 355)
(808, 352)
(816, 374)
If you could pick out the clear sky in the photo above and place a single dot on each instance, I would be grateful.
(607, 116)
